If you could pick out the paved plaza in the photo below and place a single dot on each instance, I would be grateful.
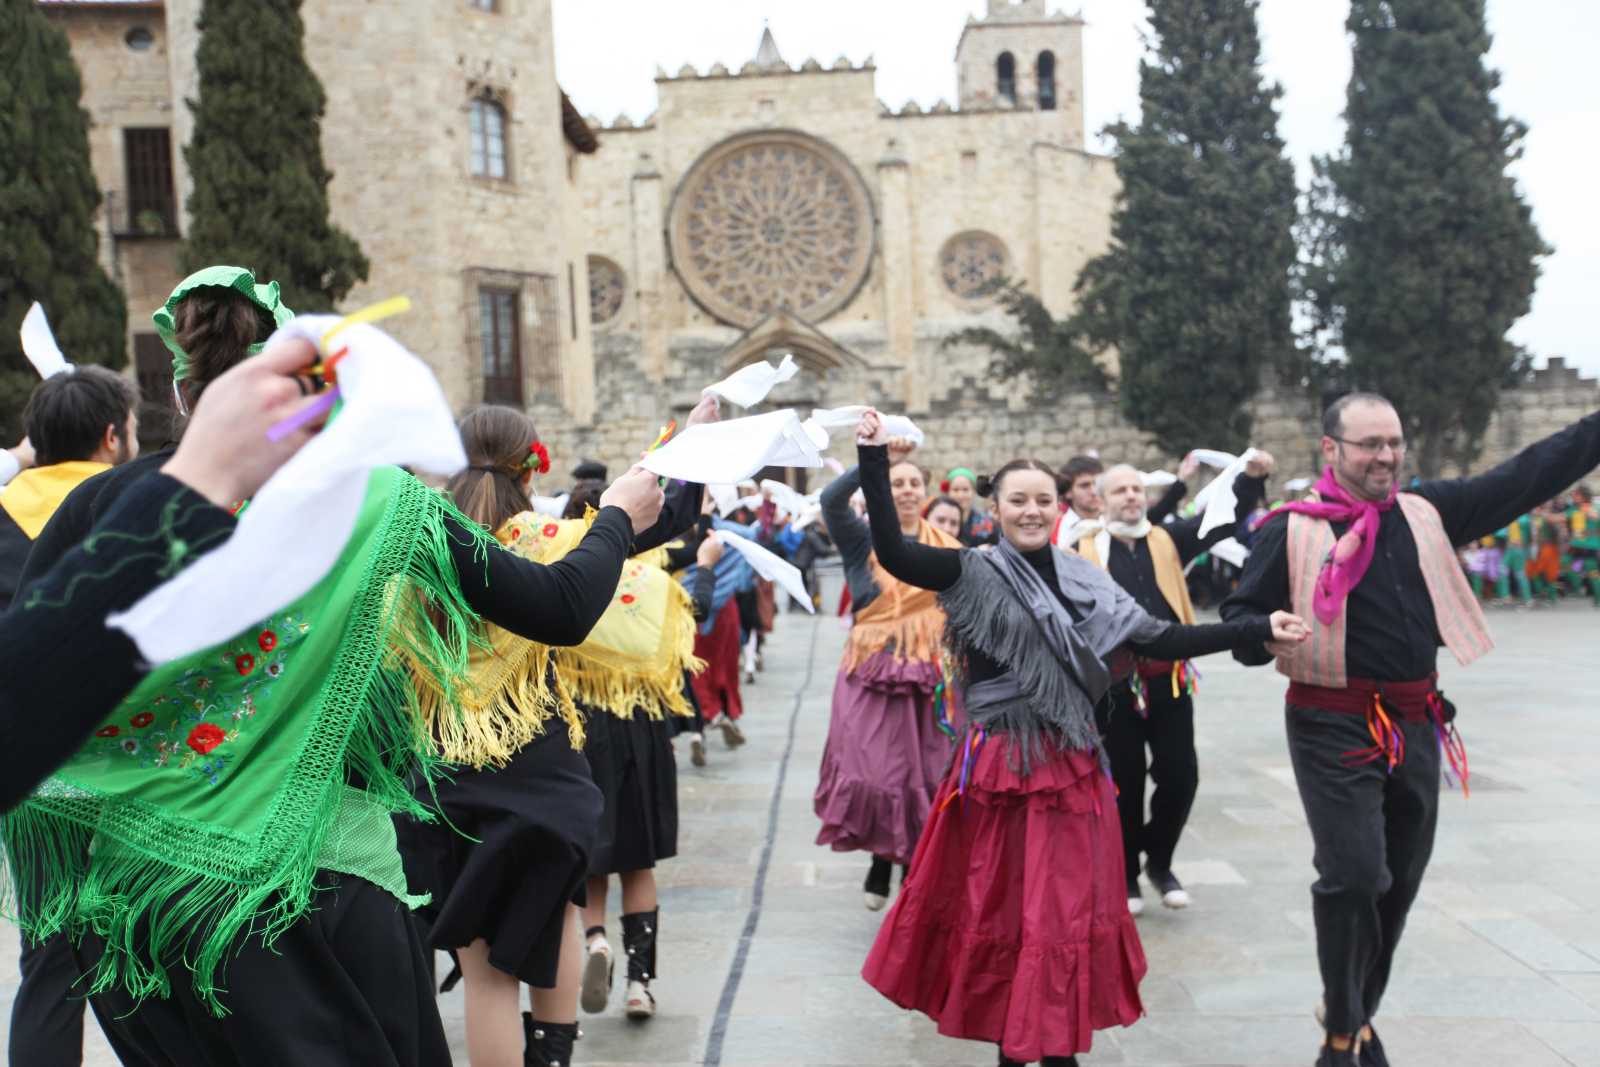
(763, 933)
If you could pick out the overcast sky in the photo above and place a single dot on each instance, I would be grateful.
(607, 52)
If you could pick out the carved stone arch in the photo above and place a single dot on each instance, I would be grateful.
(814, 351)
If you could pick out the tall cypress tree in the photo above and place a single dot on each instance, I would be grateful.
(260, 187)
(1422, 253)
(1195, 291)
(48, 198)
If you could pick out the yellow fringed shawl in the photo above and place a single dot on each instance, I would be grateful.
(633, 658)
(902, 617)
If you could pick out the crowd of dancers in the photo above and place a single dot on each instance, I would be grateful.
(463, 714)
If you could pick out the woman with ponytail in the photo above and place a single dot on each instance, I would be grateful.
(1013, 926)
(888, 744)
(222, 850)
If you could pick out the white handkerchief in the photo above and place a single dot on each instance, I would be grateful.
(749, 386)
(846, 418)
(39, 344)
(725, 497)
(772, 568)
(1298, 485)
(790, 501)
(1230, 551)
(553, 506)
(1216, 501)
(1211, 457)
(733, 450)
(298, 524)
(1157, 478)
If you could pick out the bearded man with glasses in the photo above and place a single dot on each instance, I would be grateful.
(1373, 572)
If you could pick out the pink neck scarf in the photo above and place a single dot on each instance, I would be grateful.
(1352, 553)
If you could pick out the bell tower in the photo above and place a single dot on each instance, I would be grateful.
(1020, 56)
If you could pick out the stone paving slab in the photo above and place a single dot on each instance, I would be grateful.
(1501, 962)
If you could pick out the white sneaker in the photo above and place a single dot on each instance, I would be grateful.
(1136, 906)
(1172, 892)
(597, 964)
(697, 749)
(641, 1002)
(875, 901)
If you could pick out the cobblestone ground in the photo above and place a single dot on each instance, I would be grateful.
(763, 933)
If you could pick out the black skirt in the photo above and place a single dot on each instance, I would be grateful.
(347, 984)
(634, 767)
(511, 851)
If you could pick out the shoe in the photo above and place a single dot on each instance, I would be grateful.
(697, 749)
(732, 736)
(1371, 1053)
(876, 888)
(548, 1044)
(1059, 1061)
(598, 967)
(1328, 1056)
(641, 1003)
(639, 941)
(1166, 883)
(1135, 897)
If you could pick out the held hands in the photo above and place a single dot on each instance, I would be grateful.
(710, 551)
(225, 455)
(1260, 465)
(639, 494)
(1289, 631)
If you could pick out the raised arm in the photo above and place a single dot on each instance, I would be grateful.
(915, 564)
(679, 512)
(556, 603)
(1476, 507)
(1168, 504)
(1185, 533)
(847, 529)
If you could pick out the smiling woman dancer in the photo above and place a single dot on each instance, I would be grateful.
(885, 752)
(1013, 926)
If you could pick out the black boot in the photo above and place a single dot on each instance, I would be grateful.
(876, 886)
(549, 1044)
(639, 940)
(1059, 1061)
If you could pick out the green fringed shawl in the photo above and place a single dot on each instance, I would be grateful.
(203, 807)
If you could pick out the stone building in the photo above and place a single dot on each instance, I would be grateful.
(600, 274)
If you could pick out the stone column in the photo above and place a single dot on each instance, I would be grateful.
(899, 304)
(183, 38)
(650, 264)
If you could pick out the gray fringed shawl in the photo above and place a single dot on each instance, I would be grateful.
(1055, 667)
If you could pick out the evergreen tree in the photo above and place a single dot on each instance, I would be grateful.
(260, 187)
(1421, 252)
(1194, 293)
(48, 197)
(1041, 347)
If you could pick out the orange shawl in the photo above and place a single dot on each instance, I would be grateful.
(901, 617)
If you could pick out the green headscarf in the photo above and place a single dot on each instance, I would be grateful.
(962, 472)
(264, 297)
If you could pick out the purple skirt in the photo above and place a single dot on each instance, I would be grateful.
(884, 758)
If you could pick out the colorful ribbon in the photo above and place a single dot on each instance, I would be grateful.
(971, 746)
(1388, 740)
(1450, 744)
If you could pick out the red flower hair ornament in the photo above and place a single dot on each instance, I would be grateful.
(538, 459)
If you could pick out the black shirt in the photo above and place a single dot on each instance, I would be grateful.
(928, 567)
(1390, 631)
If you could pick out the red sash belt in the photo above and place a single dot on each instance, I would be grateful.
(1406, 700)
(1381, 703)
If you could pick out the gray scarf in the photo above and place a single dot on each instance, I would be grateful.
(1055, 667)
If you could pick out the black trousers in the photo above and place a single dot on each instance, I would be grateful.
(47, 1013)
(1373, 832)
(1168, 732)
(347, 984)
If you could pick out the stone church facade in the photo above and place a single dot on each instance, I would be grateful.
(600, 274)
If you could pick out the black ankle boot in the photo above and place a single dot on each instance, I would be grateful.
(639, 941)
(549, 1044)
(878, 876)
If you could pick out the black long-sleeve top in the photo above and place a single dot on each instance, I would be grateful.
(938, 569)
(62, 670)
(702, 583)
(1390, 631)
(1133, 568)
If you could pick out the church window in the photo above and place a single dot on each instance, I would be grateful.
(972, 263)
(500, 345)
(487, 126)
(139, 39)
(1005, 69)
(1046, 71)
(147, 157)
(605, 290)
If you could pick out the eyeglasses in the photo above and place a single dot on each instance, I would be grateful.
(1375, 445)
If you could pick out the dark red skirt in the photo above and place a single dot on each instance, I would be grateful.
(1013, 927)
(716, 689)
